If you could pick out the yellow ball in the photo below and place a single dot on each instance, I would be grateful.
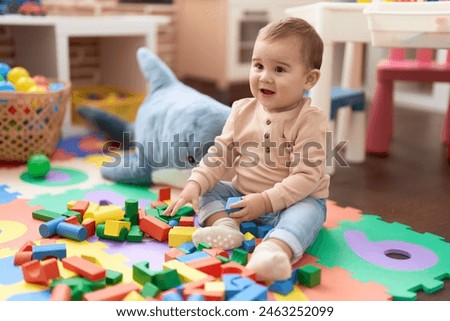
(16, 73)
(25, 83)
(37, 89)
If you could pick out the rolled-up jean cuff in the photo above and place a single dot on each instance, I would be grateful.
(209, 209)
(288, 238)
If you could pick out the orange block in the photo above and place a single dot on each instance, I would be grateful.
(164, 194)
(173, 253)
(40, 272)
(72, 220)
(186, 221)
(28, 246)
(113, 293)
(209, 265)
(236, 268)
(22, 257)
(80, 206)
(89, 225)
(216, 251)
(84, 268)
(61, 292)
(155, 228)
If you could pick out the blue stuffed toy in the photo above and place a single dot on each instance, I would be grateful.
(174, 126)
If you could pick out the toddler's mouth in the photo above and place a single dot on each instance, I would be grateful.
(267, 92)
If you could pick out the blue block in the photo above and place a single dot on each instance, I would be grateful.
(188, 247)
(172, 296)
(195, 297)
(283, 287)
(232, 200)
(249, 227)
(48, 229)
(254, 292)
(263, 230)
(192, 256)
(249, 246)
(41, 252)
(71, 231)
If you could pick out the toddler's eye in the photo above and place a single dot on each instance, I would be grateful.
(258, 66)
(279, 69)
(191, 159)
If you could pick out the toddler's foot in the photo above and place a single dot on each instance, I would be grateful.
(270, 262)
(224, 234)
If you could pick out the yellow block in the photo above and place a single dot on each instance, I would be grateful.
(107, 212)
(185, 272)
(180, 234)
(249, 236)
(215, 287)
(70, 204)
(91, 208)
(134, 296)
(113, 228)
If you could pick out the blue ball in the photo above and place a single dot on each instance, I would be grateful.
(7, 86)
(55, 86)
(4, 69)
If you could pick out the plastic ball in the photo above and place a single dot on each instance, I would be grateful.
(41, 80)
(38, 165)
(37, 89)
(4, 69)
(7, 86)
(24, 84)
(55, 86)
(16, 73)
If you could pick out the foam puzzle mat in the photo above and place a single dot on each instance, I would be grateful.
(354, 251)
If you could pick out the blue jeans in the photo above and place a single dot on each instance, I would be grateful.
(297, 225)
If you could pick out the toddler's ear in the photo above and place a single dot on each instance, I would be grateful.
(312, 79)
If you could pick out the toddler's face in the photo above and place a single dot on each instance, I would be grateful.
(278, 77)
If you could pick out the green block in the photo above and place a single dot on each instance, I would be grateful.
(131, 210)
(223, 259)
(239, 256)
(142, 273)
(79, 286)
(113, 277)
(100, 230)
(166, 279)
(309, 275)
(156, 213)
(45, 215)
(185, 211)
(203, 245)
(74, 213)
(150, 290)
(135, 234)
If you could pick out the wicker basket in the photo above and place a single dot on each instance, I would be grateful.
(31, 123)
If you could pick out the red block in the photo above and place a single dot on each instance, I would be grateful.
(164, 194)
(155, 228)
(80, 206)
(61, 292)
(186, 221)
(209, 265)
(84, 268)
(89, 225)
(40, 272)
(113, 293)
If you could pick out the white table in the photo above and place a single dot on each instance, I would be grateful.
(335, 22)
(42, 46)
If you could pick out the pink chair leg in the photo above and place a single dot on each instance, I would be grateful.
(380, 122)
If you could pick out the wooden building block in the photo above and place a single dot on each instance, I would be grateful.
(41, 252)
(61, 292)
(155, 228)
(107, 212)
(113, 293)
(113, 227)
(164, 194)
(180, 234)
(84, 268)
(209, 265)
(80, 206)
(185, 272)
(42, 273)
(186, 221)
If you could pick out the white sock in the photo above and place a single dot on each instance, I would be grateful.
(224, 234)
(270, 262)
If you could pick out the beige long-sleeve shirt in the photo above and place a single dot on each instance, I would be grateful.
(281, 155)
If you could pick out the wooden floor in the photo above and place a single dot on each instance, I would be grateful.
(410, 186)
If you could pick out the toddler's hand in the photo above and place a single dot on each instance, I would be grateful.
(189, 194)
(252, 206)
